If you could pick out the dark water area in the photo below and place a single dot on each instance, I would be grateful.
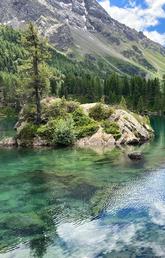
(69, 203)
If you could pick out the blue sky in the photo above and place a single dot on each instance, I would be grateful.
(143, 15)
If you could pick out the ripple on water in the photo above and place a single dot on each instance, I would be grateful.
(79, 204)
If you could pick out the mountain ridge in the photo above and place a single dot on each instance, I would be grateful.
(81, 28)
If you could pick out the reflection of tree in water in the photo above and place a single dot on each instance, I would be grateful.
(43, 194)
(101, 199)
(39, 245)
(33, 214)
(55, 198)
(43, 203)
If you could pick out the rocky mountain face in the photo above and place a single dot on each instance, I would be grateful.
(82, 28)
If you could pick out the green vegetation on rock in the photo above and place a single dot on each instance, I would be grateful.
(27, 133)
(100, 112)
(112, 128)
(64, 133)
(85, 126)
(62, 123)
(66, 123)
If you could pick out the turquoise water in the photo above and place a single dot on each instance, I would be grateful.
(69, 203)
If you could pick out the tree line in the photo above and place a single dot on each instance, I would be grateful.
(140, 94)
(30, 70)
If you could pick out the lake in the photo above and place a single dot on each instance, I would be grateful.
(70, 203)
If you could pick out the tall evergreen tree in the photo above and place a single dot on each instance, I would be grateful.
(123, 103)
(140, 106)
(36, 67)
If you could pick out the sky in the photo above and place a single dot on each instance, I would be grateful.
(143, 15)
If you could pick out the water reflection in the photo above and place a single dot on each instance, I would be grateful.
(82, 204)
(132, 225)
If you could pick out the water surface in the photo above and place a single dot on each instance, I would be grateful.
(69, 203)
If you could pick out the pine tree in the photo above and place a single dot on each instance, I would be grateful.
(36, 67)
(123, 103)
(140, 105)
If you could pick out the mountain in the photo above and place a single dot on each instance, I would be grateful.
(84, 31)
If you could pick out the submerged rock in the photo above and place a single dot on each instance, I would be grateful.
(135, 156)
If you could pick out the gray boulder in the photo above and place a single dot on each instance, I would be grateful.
(135, 156)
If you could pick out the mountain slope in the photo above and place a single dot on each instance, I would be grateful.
(83, 29)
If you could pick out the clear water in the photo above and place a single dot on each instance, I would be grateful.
(69, 203)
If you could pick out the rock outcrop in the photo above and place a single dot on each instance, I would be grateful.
(135, 129)
(119, 127)
(99, 139)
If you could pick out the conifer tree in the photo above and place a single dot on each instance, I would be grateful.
(36, 68)
(140, 105)
(123, 103)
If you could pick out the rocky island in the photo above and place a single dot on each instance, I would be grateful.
(67, 123)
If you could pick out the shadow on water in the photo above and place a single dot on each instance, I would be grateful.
(77, 203)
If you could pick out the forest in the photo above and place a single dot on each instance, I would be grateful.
(63, 76)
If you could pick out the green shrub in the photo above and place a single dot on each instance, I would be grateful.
(112, 128)
(56, 108)
(64, 133)
(87, 130)
(28, 113)
(123, 103)
(100, 112)
(47, 131)
(51, 109)
(71, 106)
(28, 132)
(80, 118)
(84, 125)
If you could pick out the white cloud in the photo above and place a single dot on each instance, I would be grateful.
(138, 17)
(156, 36)
(91, 238)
